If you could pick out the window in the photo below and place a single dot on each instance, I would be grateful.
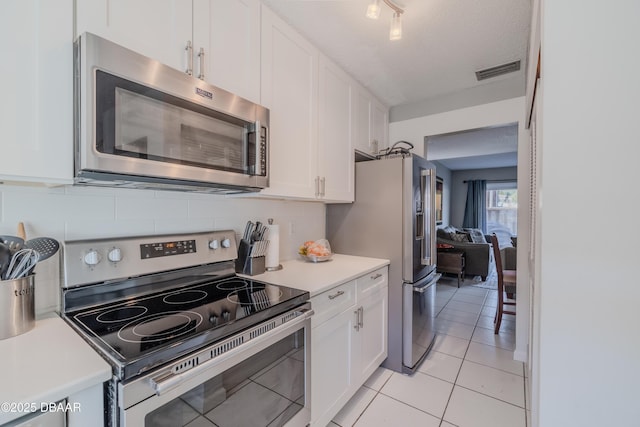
(502, 206)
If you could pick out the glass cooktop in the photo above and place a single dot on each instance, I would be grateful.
(148, 331)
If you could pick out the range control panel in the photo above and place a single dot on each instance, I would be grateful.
(177, 247)
(95, 261)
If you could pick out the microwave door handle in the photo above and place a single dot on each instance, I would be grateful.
(257, 141)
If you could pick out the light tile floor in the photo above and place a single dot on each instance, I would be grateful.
(469, 378)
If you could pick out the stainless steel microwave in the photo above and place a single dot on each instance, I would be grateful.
(143, 124)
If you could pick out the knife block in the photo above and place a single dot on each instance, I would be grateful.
(245, 264)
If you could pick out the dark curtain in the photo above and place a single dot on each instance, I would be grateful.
(476, 207)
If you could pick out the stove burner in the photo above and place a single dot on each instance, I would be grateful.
(232, 284)
(184, 297)
(121, 314)
(160, 327)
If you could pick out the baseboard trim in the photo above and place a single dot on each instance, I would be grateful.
(520, 355)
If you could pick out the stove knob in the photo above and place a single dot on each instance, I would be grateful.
(92, 258)
(213, 319)
(226, 315)
(214, 244)
(115, 255)
(226, 243)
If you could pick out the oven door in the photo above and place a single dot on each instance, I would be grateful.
(263, 382)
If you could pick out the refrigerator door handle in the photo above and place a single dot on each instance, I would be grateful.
(427, 223)
(422, 289)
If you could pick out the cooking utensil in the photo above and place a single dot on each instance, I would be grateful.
(44, 246)
(247, 230)
(22, 263)
(256, 232)
(14, 243)
(21, 233)
(5, 259)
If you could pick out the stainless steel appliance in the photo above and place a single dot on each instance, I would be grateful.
(140, 123)
(393, 217)
(188, 340)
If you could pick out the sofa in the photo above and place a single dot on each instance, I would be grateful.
(473, 243)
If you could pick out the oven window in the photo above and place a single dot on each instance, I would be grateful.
(136, 121)
(265, 390)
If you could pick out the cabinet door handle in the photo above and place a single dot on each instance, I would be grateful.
(336, 295)
(357, 325)
(377, 276)
(361, 317)
(322, 185)
(189, 50)
(317, 186)
(201, 57)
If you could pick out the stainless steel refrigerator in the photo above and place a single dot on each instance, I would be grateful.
(393, 217)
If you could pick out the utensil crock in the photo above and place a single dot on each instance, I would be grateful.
(17, 306)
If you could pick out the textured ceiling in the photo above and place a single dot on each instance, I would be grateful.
(444, 42)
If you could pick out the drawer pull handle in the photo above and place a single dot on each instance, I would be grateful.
(377, 276)
(336, 295)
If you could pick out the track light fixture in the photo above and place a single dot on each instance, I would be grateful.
(373, 12)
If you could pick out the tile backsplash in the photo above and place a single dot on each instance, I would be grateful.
(71, 213)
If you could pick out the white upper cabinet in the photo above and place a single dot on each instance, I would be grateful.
(290, 90)
(216, 40)
(311, 101)
(335, 148)
(379, 124)
(228, 32)
(36, 112)
(159, 29)
(371, 124)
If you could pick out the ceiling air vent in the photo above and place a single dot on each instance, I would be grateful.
(499, 70)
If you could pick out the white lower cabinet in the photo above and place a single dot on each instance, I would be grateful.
(348, 341)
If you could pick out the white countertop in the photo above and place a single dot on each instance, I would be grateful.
(322, 276)
(47, 364)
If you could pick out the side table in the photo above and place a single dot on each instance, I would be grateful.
(451, 261)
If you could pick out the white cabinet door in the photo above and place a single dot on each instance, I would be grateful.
(289, 88)
(36, 112)
(372, 336)
(331, 367)
(362, 131)
(371, 122)
(159, 29)
(335, 149)
(379, 125)
(228, 31)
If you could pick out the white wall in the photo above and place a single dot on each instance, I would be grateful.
(493, 114)
(70, 213)
(589, 351)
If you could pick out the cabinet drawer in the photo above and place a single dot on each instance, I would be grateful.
(332, 302)
(370, 282)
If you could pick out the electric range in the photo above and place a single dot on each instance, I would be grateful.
(160, 309)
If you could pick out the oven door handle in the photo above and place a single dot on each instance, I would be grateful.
(167, 382)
